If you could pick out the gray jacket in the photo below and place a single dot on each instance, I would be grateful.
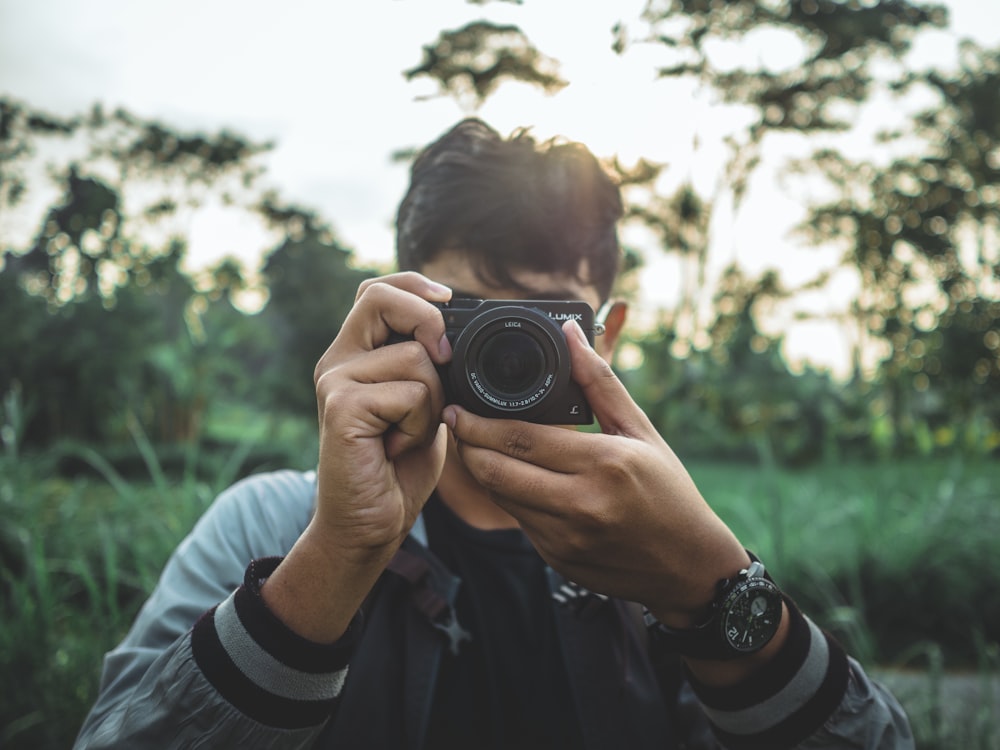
(205, 665)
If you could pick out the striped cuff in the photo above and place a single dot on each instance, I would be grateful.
(264, 669)
(784, 703)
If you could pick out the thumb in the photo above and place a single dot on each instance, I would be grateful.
(611, 403)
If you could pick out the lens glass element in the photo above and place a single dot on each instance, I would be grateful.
(511, 362)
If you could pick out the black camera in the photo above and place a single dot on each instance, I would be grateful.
(510, 359)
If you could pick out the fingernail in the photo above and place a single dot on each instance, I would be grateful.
(444, 348)
(439, 289)
(450, 416)
(578, 332)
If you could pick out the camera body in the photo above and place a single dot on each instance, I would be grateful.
(510, 359)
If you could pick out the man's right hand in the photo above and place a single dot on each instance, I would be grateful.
(382, 445)
(382, 449)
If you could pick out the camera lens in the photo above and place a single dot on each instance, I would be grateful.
(511, 363)
(508, 360)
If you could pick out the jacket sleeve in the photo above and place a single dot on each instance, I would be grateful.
(813, 695)
(205, 664)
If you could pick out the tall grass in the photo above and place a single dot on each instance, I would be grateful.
(77, 558)
(889, 555)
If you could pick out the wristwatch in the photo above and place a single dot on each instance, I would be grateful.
(743, 618)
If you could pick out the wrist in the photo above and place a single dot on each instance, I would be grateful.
(699, 602)
(745, 614)
(316, 590)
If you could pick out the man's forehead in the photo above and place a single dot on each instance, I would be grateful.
(458, 272)
(552, 291)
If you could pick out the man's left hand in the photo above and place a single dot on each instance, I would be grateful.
(616, 512)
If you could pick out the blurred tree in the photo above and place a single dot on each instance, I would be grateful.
(120, 177)
(94, 317)
(838, 43)
(924, 232)
(471, 62)
(734, 397)
(926, 220)
(312, 286)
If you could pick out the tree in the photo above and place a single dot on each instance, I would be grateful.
(92, 309)
(471, 62)
(123, 178)
(312, 285)
(839, 43)
(924, 233)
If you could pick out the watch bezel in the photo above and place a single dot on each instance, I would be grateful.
(744, 588)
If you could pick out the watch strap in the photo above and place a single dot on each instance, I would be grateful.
(706, 640)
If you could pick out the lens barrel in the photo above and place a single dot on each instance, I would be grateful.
(511, 360)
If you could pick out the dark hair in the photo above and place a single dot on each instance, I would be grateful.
(510, 204)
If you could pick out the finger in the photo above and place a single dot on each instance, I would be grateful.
(412, 282)
(547, 446)
(611, 403)
(381, 310)
(524, 490)
(417, 427)
(406, 362)
(401, 408)
(422, 468)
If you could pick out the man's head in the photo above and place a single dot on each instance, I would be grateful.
(509, 206)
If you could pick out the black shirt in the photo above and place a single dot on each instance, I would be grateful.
(507, 687)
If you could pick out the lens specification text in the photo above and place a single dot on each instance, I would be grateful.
(501, 403)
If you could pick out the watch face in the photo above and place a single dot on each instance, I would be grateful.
(751, 614)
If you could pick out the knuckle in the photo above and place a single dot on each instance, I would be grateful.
(429, 318)
(379, 294)
(589, 519)
(371, 287)
(517, 443)
(327, 401)
(417, 392)
(602, 375)
(410, 354)
(362, 287)
(617, 468)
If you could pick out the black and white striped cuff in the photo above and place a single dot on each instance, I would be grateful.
(785, 702)
(264, 669)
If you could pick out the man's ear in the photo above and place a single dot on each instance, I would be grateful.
(612, 314)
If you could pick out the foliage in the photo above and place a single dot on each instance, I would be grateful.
(98, 326)
(735, 398)
(72, 575)
(923, 233)
(471, 62)
(924, 221)
(312, 288)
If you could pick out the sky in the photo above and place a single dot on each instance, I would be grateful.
(324, 82)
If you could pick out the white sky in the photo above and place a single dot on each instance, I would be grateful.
(292, 72)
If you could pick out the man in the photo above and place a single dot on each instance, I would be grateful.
(449, 580)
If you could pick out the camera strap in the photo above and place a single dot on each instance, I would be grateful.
(440, 613)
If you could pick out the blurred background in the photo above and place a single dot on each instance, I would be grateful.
(191, 193)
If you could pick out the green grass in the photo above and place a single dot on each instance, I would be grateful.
(898, 559)
(889, 556)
